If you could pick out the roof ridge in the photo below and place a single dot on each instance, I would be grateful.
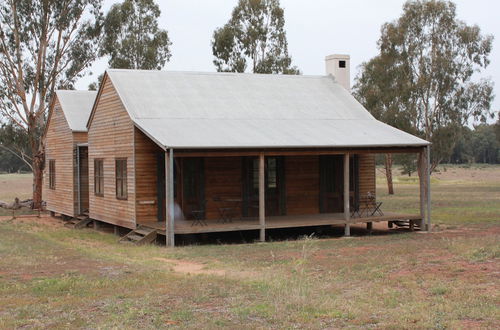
(247, 74)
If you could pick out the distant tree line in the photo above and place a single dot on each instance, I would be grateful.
(423, 81)
(49, 44)
(478, 145)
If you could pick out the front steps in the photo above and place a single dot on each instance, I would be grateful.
(79, 222)
(140, 236)
(410, 224)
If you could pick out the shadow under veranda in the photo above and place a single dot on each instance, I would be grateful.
(283, 234)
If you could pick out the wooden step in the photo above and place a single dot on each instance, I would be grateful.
(134, 237)
(78, 223)
(141, 235)
(144, 232)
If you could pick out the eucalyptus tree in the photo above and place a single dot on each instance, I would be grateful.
(254, 38)
(132, 37)
(44, 45)
(422, 79)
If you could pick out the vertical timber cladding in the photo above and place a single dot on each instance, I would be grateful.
(367, 182)
(146, 176)
(59, 147)
(111, 136)
(302, 185)
(223, 179)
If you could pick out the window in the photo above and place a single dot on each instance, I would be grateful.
(255, 173)
(52, 174)
(271, 173)
(121, 178)
(341, 64)
(99, 177)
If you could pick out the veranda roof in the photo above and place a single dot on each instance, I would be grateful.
(232, 110)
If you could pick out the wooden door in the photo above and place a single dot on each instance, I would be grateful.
(161, 185)
(331, 176)
(83, 164)
(193, 186)
(274, 185)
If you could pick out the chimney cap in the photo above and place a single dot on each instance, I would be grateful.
(337, 56)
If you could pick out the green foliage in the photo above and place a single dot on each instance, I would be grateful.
(408, 163)
(421, 81)
(479, 145)
(485, 146)
(44, 45)
(254, 37)
(132, 37)
(497, 129)
(47, 44)
(15, 154)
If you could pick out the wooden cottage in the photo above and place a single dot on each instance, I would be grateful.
(66, 186)
(186, 153)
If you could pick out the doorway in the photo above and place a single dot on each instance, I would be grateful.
(275, 192)
(83, 179)
(331, 174)
(188, 174)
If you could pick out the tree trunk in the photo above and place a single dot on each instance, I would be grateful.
(37, 180)
(388, 173)
(38, 162)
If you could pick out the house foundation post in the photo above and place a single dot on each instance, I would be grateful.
(421, 163)
(262, 198)
(347, 213)
(169, 202)
(369, 227)
(428, 179)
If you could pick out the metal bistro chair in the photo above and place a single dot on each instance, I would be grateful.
(225, 212)
(372, 206)
(356, 209)
(199, 215)
(367, 205)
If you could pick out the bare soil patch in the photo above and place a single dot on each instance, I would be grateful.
(45, 219)
(487, 174)
(195, 268)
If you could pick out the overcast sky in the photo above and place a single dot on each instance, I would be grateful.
(315, 28)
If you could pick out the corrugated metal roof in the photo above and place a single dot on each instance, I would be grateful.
(77, 106)
(230, 110)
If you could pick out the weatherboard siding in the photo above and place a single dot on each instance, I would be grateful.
(111, 136)
(367, 180)
(146, 174)
(59, 147)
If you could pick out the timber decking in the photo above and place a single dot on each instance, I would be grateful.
(275, 222)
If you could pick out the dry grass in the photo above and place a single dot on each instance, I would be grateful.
(53, 277)
(15, 185)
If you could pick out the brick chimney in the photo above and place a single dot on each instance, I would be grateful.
(339, 66)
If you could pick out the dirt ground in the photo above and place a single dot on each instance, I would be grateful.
(484, 174)
(55, 277)
(189, 267)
